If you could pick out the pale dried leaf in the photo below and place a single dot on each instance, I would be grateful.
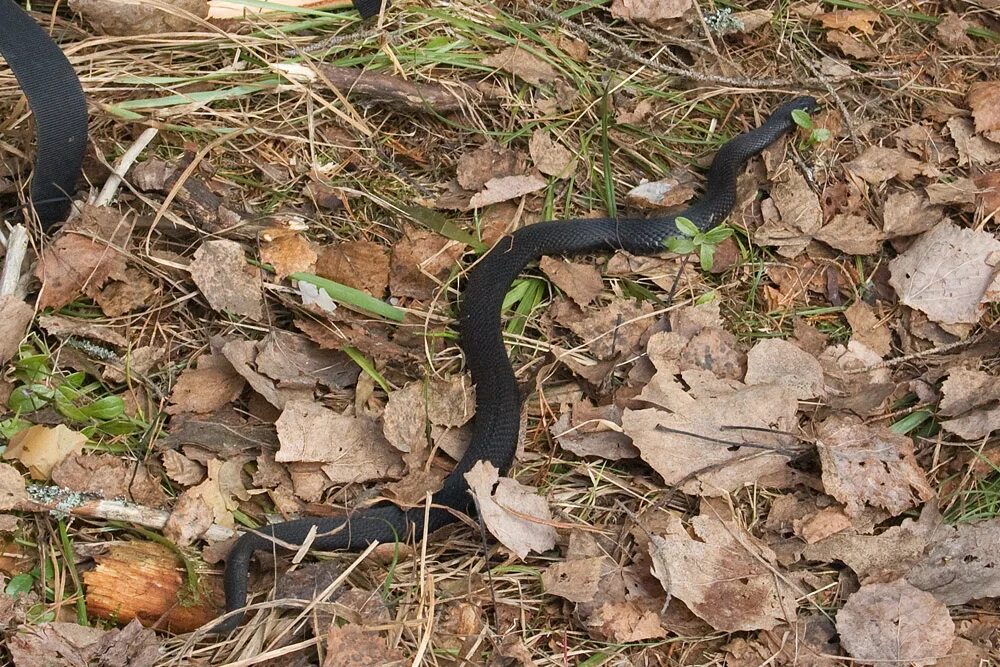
(852, 234)
(242, 354)
(40, 448)
(868, 329)
(222, 274)
(523, 64)
(590, 431)
(951, 32)
(777, 361)
(575, 580)
(11, 487)
(580, 282)
(972, 147)
(879, 164)
(550, 158)
(908, 214)
(504, 188)
(515, 514)
(487, 162)
(984, 101)
(130, 291)
(211, 385)
(109, 476)
(686, 454)
(870, 466)
(420, 261)
(363, 265)
(17, 317)
(792, 214)
(851, 45)
(129, 17)
(862, 20)
(667, 192)
(353, 645)
(290, 359)
(181, 469)
(947, 273)
(725, 576)
(961, 567)
(358, 453)
(974, 425)
(289, 253)
(965, 389)
(895, 622)
(957, 191)
(654, 12)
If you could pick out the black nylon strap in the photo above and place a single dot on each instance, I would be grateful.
(57, 102)
(368, 8)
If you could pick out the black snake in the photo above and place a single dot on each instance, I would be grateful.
(498, 402)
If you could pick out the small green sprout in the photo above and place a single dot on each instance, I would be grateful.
(695, 239)
(817, 135)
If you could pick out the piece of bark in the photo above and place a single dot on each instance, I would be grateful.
(393, 91)
(142, 580)
(204, 206)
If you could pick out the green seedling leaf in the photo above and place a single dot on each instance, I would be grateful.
(686, 226)
(707, 254)
(802, 119)
(820, 134)
(682, 246)
(19, 584)
(718, 235)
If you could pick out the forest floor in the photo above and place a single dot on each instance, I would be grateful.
(779, 448)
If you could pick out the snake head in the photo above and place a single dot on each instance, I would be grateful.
(804, 103)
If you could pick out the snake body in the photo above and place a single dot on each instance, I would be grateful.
(498, 403)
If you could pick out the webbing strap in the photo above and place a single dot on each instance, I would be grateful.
(368, 8)
(56, 100)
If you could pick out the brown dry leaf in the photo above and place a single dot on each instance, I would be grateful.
(680, 443)
(879, 164)
(669, 191)
(628, 622)
(419, 261)
(181, 469)
(64, 327)
(958, 191)
(868, 329)
(989, 191)
(852, 234)
(353, 645)
(11, 487)
(948, 273)
(223, 275)
(725, 576)
(575, 580)
(660, 13)
(593, 431)
(504, 188)
(133, 290)
(109, 476)
(580, 282)
(17, 316)
(850, 45)
(75, 264)
(211, 385)
(635, 116)
(966, 389)
(962, 565)
(984, 101)
(242, 354)
(515, 514)
(488, 161)
(792, 214)
(972, 147)
(363, 265)
(895, 622)
(614, 329)
(908, 214)
(862, 20)
(820, 525)
(870, 466)
(359, 453)
(450, 403)
(60, 644)
(776, 361)
(951, 32)
(194, 512)
(974, 425)
(523, 64)
(752, 19)
(40, 448)
(849, 386)
(289, 253)
(290, 359)
(130, 17)
(550, 158)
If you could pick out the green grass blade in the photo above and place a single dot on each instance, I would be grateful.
(352, 297)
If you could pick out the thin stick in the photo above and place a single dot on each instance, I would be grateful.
(124, 163)
(113, 510)
(17, 247)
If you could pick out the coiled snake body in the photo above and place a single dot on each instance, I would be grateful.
(498, 402)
